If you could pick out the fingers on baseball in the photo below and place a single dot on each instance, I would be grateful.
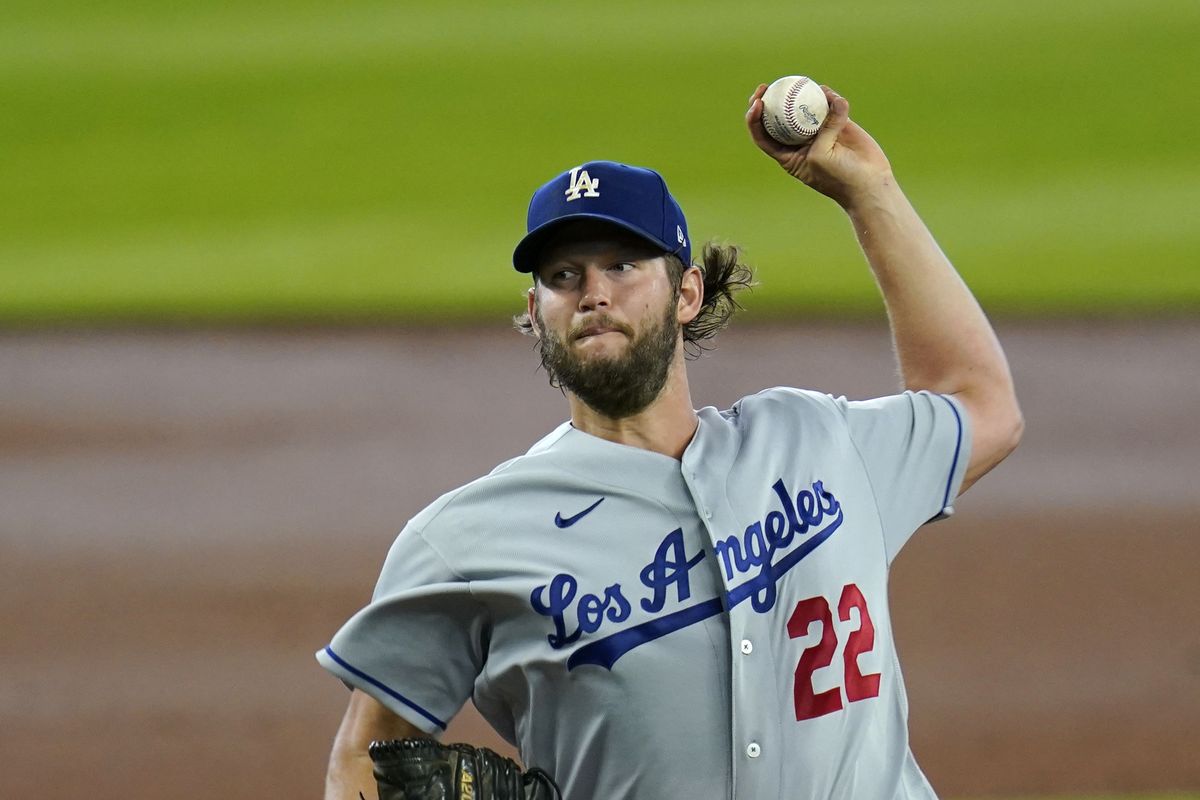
(754, 112)
(782, 153)
(839, 115)
(758, 132)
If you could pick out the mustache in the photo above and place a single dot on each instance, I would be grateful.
(602, 320)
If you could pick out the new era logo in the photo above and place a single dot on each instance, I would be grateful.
(582, 185)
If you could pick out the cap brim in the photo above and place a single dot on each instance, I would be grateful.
(526, 253)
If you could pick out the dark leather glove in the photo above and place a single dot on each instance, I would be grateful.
(424, 769)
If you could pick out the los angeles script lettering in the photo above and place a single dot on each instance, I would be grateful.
(667, 575)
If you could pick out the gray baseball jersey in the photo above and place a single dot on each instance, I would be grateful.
(646, 627)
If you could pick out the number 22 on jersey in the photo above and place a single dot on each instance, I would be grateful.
(810, 704)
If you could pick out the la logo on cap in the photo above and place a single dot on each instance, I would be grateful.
(582, 185)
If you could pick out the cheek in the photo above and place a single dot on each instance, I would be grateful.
(550, 315)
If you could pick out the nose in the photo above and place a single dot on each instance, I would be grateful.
(594, 290)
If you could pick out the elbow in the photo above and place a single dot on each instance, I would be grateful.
(1012, 428)
(999, 426)
(1017, 431)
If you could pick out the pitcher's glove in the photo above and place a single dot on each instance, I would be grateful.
(423, 769)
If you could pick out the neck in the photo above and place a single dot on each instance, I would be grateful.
(665, 426)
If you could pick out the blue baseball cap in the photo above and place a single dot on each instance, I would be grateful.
(633, 198)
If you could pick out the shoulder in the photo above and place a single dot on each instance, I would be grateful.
(781, 413)
(775, 418)
(527, 481)
(785, 402)
(804, 403)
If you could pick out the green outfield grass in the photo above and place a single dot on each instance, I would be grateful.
(1110, 797)
(293, 161)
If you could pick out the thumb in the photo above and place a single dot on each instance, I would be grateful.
(839, 115)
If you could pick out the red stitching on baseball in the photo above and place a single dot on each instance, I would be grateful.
(789, 106)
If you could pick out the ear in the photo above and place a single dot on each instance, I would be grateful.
(531, 307)
(691, 294)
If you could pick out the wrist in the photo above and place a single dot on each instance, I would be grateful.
(878, 193)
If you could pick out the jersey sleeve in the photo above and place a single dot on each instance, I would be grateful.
(418, 646)
(914, 447)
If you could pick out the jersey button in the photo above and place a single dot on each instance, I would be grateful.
(707, 514)
(753, 750)
(747, 646)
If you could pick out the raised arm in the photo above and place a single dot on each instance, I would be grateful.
(943, 340)
(349, 765)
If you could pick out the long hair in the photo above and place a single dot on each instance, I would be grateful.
(725, 276)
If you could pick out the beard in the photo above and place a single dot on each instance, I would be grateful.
(618, 386)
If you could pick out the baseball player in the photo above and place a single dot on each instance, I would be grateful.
(658, 602)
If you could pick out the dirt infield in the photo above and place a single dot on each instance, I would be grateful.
(186, 517)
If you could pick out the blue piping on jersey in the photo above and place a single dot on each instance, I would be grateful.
(605, 652)
(379, 685)
(957, 450)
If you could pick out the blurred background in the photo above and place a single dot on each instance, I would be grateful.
(254, 300)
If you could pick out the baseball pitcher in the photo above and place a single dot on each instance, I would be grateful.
(661, 602)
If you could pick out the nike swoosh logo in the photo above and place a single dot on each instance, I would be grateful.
(569, 521)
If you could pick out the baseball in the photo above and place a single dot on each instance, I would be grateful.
(794, 109)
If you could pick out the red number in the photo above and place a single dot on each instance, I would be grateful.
(858, 686)
(810, 705)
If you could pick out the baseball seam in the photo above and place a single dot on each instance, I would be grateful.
(789, 108)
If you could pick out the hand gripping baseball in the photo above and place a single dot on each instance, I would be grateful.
(423, 769)
(842, 161)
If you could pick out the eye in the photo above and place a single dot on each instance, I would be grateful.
(559, 277)
(624, 266)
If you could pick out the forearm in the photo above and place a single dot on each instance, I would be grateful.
(944, 343)
(943, 340)
(350, 768)
(350, 773)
